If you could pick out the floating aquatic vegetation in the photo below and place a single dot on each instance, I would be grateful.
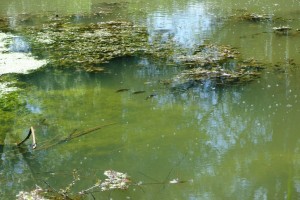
(220, 75)
(208, 55)
(115, 180)
(87, 45)
(174, 181)
(220, 64)
(99, 43)
(93, 69)
(284, 30)
(36, 194)
(254, 17)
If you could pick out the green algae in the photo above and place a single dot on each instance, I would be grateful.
(10, 107)
(88, 46)
(255, 17)
(80, 46)
(13, 110)
(220, 64)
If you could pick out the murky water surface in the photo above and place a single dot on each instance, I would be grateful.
(239, 142)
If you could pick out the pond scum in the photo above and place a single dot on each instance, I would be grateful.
(87, 46)
(114, 180)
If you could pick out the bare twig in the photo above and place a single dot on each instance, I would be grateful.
(72, 136)
(76, 135)
(25, 139)
(33, 138)
(173, 168)
(30, 132)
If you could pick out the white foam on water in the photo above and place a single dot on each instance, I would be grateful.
(16, 62)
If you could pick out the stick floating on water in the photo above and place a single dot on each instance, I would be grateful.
(33, 138)
(31, 132)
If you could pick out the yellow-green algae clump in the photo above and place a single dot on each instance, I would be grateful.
(87, 46)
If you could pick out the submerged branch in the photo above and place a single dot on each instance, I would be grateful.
(50, 143)
(73, 135)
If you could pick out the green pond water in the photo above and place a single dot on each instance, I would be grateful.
(233, 142)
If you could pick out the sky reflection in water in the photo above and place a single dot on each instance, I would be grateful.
(188, 26)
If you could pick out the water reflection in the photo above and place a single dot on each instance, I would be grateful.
(19, 45)
(15, 7)
(188, 26)
(225, 139)
(236, 142)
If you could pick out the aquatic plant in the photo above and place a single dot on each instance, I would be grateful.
(36, 194)
(115, 180)
(208, 56)
(88, 46)
(254, 17)
(85, 46)
(284, 30)
(220, 64)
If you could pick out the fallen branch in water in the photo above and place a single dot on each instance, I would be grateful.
(33, 138)
(52, 142)
(31, 132)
